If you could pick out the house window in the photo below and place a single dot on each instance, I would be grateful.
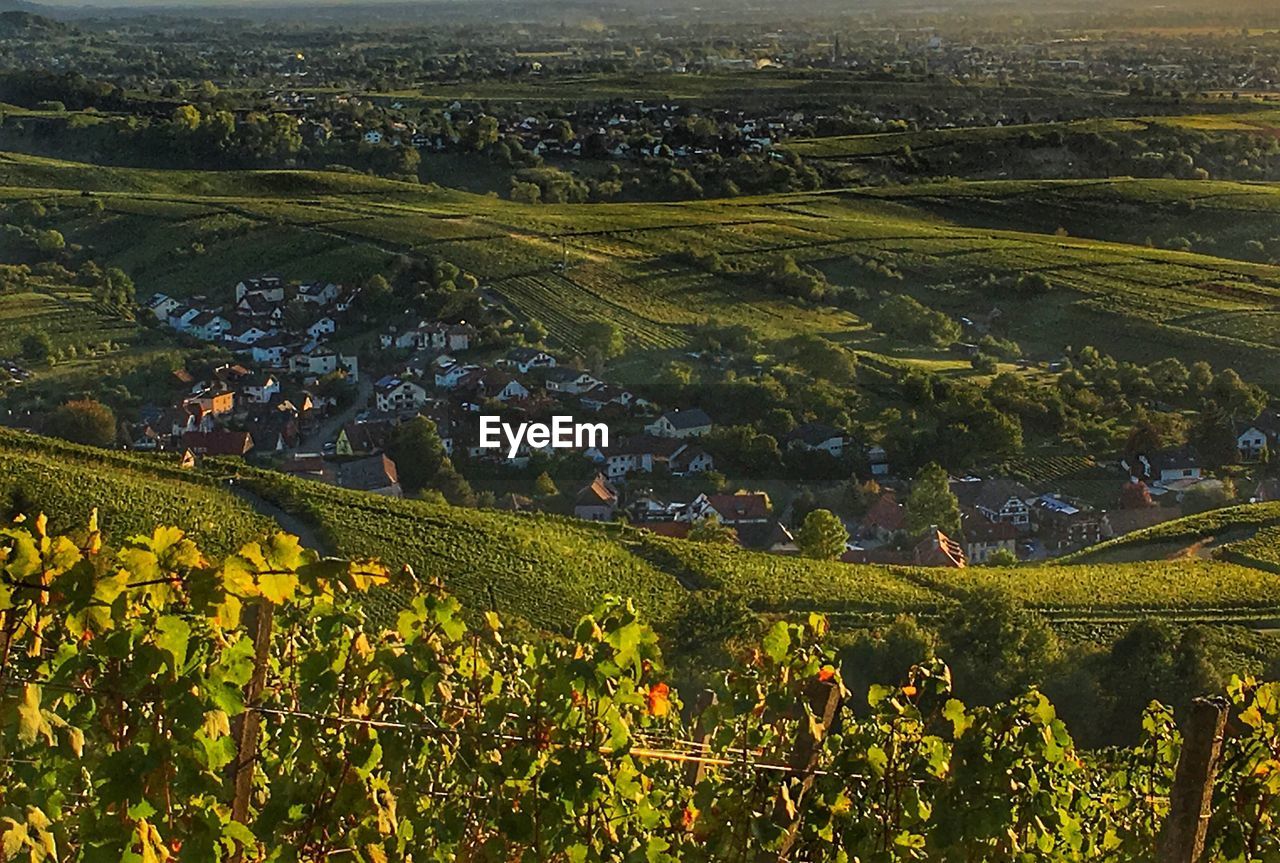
(1187, 472)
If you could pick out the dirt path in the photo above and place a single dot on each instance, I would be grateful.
(311, 538)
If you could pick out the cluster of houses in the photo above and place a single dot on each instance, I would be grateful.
(271, 323)
(230, 412)
(620, 129)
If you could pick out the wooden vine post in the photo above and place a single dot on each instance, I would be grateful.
(824, 700)
(1190, 802)
(695, 770)
(249, 728)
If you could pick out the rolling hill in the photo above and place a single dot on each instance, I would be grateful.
(193, 232)
(548, 571)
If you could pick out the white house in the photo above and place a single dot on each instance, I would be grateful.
(270, 351)
(324, 361)
(569, 381)
(326, 326)
(208, 326)
(162, 306)
(527, 359)
(319, 294)
(450, 377)
(393, 394)
(247, 334)
(816, 437)
(262, 388)
(269, 289)
(681, 424)
(1252, 443)
(183, 318)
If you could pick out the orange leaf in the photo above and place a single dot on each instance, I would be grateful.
(659, 699)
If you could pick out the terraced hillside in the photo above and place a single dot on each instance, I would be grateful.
(189, 232)
(548, 570)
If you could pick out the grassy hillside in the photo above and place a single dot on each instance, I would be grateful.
(1182, 536)
(189, 233)
(853, 147)
(550, 570)
(132, 494)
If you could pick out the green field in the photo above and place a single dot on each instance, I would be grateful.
(191, 232)
(855, 147)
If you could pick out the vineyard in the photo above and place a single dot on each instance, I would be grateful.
(185, 233)
(548, 571)
(543, 569)
(1160, 539)
(158, 704)
(773, 583)
(1262, 550)
(131, 494)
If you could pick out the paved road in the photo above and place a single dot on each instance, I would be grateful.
(328, 429)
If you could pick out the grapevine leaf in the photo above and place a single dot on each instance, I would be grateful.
(172, 635)
(776, 642)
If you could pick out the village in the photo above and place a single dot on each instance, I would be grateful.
(298, 403)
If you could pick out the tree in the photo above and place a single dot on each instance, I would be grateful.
(83, 421)
(822, 536)
(418, 452)
(1211, 494)
(37, 347)
(603, 338)
(997, 647)
(713, 531)
(545, 486)
(933, 503)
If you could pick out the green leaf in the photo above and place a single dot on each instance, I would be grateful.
(172, 636)
(777, 641)
(31, 722)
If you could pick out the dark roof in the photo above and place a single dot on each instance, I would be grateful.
(597, 493)
(813, 434)
(739, 507)
(1175, 459)
(995, 493)
(885, 514)
(564, 374)
(687, 419)
(978, 529)
(218, 442)
(368, 474)
(660, 447)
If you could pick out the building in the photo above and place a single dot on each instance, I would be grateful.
(319, 294)
(680, 424)
(816, 437)
(569, 381)
(938, 549)
(597, 501)
(392, 395)
(267, 288)
(218, 442)
(376, 474)
(528, 359)
(984, 538)
(997, 500)
(1063, 526)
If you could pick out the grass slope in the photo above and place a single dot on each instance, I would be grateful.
(188, 233)
(550, 570)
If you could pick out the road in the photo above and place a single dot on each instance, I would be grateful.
(328, 428)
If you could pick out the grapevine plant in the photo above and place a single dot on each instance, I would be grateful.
(159, 705)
